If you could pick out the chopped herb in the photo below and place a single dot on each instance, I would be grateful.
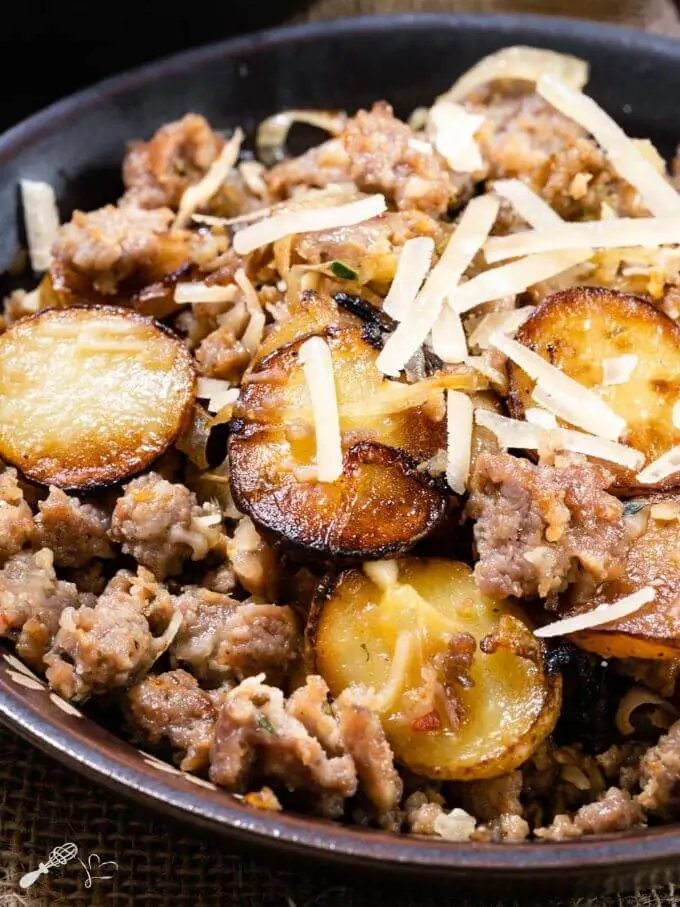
(366, 652)
(340, 269)
(266, 725)
(631, 507)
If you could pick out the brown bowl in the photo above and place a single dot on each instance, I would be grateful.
(77, 145)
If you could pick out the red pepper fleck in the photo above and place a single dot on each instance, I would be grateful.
(428, 723)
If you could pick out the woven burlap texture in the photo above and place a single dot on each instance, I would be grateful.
(43, 805)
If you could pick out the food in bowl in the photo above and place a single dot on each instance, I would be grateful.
(349, 480)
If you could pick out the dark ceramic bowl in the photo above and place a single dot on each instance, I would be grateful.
(77, 146)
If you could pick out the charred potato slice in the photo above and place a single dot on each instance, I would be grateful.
(653, 559)
(410, 641)
(382, 503)
(89, 396)
(577, 330)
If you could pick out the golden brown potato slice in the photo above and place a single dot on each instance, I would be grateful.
(311, 313)
(652, 560)
(577, 330)
(381, 503)
(457, 676)
(89, 396)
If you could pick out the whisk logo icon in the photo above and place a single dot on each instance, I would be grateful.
(62, 855)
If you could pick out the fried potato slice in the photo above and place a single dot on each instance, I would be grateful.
(91, 395)
(577, 330)
(381, 504)
(653, 559)
(457, 676)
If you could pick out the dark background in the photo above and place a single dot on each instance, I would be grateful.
(51, 48)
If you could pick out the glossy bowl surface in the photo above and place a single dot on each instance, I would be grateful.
(77, 146)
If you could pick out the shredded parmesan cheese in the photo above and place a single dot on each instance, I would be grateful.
(504, 322)
(41, 219)
(454, 130)
(317, 363)
(514, 434)
(309, 220)
(482, 365)
(448, 337)
(536, 415)
(336, 193)
(618, 369)
(459, 440)
(200, 292)
(661, 468)
(560, 394)
(196, 196)
(465, 242)
(252, 336)
(648, 149)
(625, 156)
(530, 206)
(595, 234)
(527, 64)
(252, 300)
(383, 573)
(217, 392)
(252, 173)
(513, 278)
(603, 614)
(395, 397)
(412, 267)
(404, 651)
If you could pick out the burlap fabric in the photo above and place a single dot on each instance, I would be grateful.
(42, 805)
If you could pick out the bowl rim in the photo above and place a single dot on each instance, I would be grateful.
(284, 832)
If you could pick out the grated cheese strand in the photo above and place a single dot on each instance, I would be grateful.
(217, 392)
(404, 652)
(512, 433)
(41, 220)
(513, 278)
(309, 220)
(466, 240)
(540, 417)
(560, 394)
(252, 300)
(504, 322)
(625, 156)
(530, 206)
(384, 574)
(454, 130)
(596, 234)
(661, 468)
(603, 614)
(316, 360)
(198, 292)
(200, 194)
(448, 337)
(252, 336)
(459, 423)
(414, 263)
